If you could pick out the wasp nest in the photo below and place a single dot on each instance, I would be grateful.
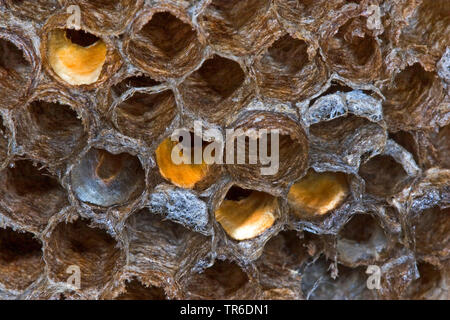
(93, 204)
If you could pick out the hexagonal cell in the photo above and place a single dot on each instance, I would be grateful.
(20, 259)
(353, 52)
(161, 248)
(37, 10)
(224, 280)
(109, 17)
(51, 130)
(283, 256)
(146, 116)
(135, 290)
(245, 214)
(94, 251)
(383, 176)
(211, 91)
(427, 27)
(351, 138)
(412, 99)
(30, 194)
(15, 72)
(164, 44)
(431, 284)
(285, 70)
(239, 27)
(361, 241)
(432, 232)
(279, 157)
(105, 179)
(76, 56)
(350, 283)
(188, 174)
(318, 193)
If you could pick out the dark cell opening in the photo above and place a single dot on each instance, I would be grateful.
(81, 37)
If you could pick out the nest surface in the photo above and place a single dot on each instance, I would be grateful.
(359, 91)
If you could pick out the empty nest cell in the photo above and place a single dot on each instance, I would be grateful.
(135, 290)
(211, 91)
(281, 152)
(412, 99)
(318, 193)
(164, 45)
(383, 176)
(91, 249)
(15, 72)
(353, 52)
(76, 56)
(245, 214)
(189, 173)
(361, 240)
(430, 285)
(286, 71)
(109, 17)
(224, 280)
(33, 9)
(237, 26)
(30, 194)
(432, 232)
(350, 283)
(105, 179)
(146, 116)
(51, 130)
(20, 259)
(161, 248)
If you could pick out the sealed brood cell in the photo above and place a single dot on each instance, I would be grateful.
(245, 214)
(318, 193)
(266, 159)
(216, 90)
(17, 68)
(286, 71)
(81, 245)
(164, 43)
(239, 27)
(20, 260)
(161, 250)
(182, 161)
(135, 290)
(105, 179)
(412, 99)
(30, 194)
(51, 131)
(145, 115)
(223, 280)
(74, 57)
